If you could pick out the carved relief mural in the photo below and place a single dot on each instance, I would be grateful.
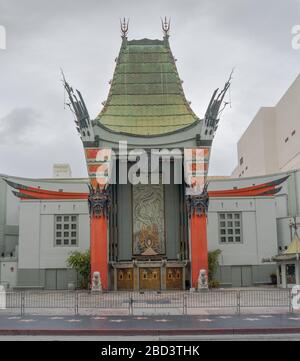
(148, 220)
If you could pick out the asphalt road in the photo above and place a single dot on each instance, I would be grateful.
(150, 325)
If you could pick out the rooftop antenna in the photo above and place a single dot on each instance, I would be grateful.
(64, 82)
(223, 92)
(68, 89)
(293, 225)
(229, 90)
(165, 24)
(124, 27)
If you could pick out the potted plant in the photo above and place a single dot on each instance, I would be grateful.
(273, 277)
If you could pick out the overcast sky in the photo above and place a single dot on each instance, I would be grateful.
(208, 37)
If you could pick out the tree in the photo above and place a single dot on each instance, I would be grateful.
(213, 264)
(81, 263)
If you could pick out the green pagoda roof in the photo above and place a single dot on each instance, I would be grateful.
(146, 96)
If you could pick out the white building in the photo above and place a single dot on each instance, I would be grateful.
(271, 144)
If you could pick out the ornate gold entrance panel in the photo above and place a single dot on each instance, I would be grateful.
(174, 278)
(150, 279)
(125, 279)
(148, 220)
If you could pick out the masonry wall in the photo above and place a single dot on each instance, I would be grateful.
(271, 143)
(288, 128)
(257, 151)
(9, 221)
(241, 264)
(39, 258)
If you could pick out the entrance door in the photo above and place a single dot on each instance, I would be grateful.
(56, 279)
(246, 276)
(241, 276)
(236, 276)
(61, 279)
(50, 282)
(174, 278)
(125, 279)
(150, 279)
(8, 274)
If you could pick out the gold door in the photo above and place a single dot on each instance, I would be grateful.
(174, 278)
(150, 278)
(125, 279)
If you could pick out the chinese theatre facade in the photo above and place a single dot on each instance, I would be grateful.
(147, 235)
(148, 226)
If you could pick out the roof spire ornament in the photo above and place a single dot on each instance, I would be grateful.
(124, 27)
(165, 24)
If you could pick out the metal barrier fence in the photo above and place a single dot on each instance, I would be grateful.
(81, 302)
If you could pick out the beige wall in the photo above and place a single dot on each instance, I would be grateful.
(287, 121)
(271, 143)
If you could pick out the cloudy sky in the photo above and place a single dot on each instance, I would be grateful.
(208, 37)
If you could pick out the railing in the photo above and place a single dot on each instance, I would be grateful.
(82, 302)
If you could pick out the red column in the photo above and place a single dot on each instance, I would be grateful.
(199, 249)
(98, 244)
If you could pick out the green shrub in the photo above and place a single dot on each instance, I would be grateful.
(214, 284)
(81, 263)
(213, 264)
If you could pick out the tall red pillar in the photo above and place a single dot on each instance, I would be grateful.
(98, 246)
(197, 208)
(99, 203)
(199, 248)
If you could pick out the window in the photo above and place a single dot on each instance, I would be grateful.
(230, 227)
(291, 274)
(286, 139)
(66, 231)
(293, 132)
(241, 160)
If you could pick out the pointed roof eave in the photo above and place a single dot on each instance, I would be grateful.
(197, 125)
(292, 252)
(294, 247)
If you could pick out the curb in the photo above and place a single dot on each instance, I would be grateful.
(136, 332)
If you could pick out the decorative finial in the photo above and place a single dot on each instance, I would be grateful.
(165, 24)
(124, 27)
